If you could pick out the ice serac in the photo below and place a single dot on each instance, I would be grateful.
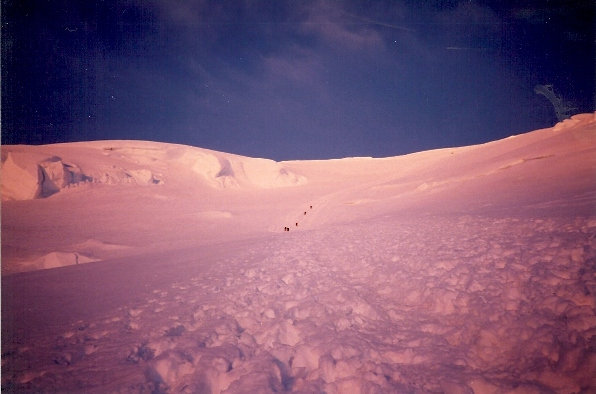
(20, 177)
(221, 170)
(269, 174)
(26, 176)
(56, 175)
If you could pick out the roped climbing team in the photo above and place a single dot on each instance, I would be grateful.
(288, 229)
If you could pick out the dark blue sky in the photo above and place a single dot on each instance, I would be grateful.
(291, 79)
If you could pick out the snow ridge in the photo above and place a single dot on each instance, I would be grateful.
(36, 172)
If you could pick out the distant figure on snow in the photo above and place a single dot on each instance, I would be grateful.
(296, 224)
(305, 212)
(311, 207)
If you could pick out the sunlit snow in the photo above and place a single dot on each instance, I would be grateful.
(132, 266)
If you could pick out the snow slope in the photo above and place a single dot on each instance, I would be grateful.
(459, 270)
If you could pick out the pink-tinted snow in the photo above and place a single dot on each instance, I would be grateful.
(146, 267)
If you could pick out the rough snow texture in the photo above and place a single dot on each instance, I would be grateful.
(465, 270)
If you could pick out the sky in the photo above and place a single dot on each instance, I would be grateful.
(292, 79)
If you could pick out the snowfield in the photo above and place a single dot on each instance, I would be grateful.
(132, 266)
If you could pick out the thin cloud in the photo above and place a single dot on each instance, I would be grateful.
(297, 65)
(327, 21)
(380, 23)
(454, 48)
